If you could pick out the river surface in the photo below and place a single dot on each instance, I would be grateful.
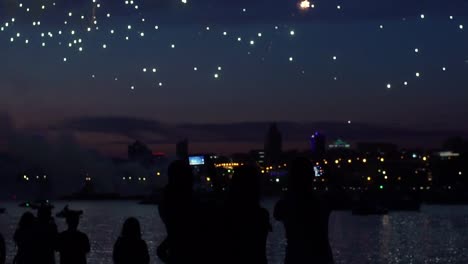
(436, 234)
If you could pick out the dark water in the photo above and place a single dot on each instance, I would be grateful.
(437, 234)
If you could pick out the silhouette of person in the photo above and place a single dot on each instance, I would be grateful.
(2, 250)
(45, 235)
(24, 240)
(247, 223)
(177, 210)
(305, 218)
(129, 247)
(72, 244)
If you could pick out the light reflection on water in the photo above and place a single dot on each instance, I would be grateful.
(438, 234)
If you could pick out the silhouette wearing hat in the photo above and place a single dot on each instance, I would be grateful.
(24, 240)
(129, 247)
(72, 244)
(45, 235)
(305, 218)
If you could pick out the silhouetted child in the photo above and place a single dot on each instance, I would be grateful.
(24, 240)
(177, 210)
(72, 244)
(129, 247)
(247, 223)
(45, 235)
(305, 218)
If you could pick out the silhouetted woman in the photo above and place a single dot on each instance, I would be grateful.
(247, 223)
(129, 247)
(177, 211)
(24, 239)
(72, 244)
(305, 218)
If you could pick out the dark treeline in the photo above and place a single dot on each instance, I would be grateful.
(222, 227)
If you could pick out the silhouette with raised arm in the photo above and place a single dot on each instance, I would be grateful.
(129, 247)
(72, 245)
(24, 240)
(305, 218)
(247, 223)
(45, 235)
(177, 210)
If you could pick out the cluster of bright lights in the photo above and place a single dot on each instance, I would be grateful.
(76, 37)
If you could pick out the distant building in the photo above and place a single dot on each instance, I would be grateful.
(258, 155)
(182, 151)
(139, 152)
(377, 148)
(318, 145)
(339, 144)
(273, 145)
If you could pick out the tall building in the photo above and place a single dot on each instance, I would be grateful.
(182, 151)
(273, 145)
(318, 145)
(139, 152)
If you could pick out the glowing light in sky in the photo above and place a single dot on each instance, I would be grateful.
(305, 4)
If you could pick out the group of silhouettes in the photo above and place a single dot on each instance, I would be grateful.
(224, 227)
(234, 228)
(37, 239)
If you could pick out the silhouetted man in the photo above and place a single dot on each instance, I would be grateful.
(45, 235)
(72, 244)
(246, 223)
(305, 218)
(177, 210)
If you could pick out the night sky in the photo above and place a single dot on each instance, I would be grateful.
(390, 62)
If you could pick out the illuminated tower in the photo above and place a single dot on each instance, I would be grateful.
(318, 145)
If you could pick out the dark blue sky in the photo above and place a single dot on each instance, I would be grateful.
(256, 82)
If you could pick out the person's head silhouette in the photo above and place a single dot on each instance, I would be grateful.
(131, 229)
(44, 212)
(245, 185)
(180, 178)
(72, 218)
(300, 178)
(26, 221)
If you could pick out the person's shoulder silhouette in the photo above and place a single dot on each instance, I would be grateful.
(2, 250)
(130, 248)
(72, 245)
(305, 218)
(177, 211)
(24, 240)
(248, 223)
